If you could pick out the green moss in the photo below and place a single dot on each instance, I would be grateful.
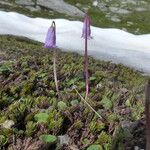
(30, 128)
(55, 121)
(78, 124)
(62, 105)
(96, 126)
(107, 103)
(136, 115)
(104, 138)
(3, 140)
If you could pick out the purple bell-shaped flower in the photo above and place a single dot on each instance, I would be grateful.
(50, 41)
(86, 31)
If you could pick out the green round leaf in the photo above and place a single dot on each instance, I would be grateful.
(41, 117)
(74, 102)
(48, 138)
(107, 103)
(62, 105)
(95, 147)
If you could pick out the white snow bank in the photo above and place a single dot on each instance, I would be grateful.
(107, 44)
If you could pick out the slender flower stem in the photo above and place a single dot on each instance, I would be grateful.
(86, 34)
(54, 71)
(54, 61)
(147, 113)
(86, 64)
(88, 104)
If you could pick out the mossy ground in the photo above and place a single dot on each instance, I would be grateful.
(27, 92)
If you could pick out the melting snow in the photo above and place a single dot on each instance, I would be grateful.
(107, 44)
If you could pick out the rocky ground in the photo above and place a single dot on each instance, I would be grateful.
(36, 5)
(130, 15)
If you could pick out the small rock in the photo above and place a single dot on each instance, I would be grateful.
(125, 111)
(78, 5)
(8, 124)
(129, 125)
(64, 139)
(33, 8)
(85, 9)
(99, 86)
(119, 10)
(124, 29)
(129, 23)
(137, 30)
(140, 9)
(115, 19)
(126, 124)
(136, 148)
(73, 147)
(25, 2)
(123, 90)
(61, 7)
(95, 3)
(6, 3)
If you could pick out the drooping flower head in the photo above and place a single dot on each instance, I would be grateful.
(86, 31)
(50, 41)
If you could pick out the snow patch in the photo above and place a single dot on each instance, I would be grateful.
(107, 44)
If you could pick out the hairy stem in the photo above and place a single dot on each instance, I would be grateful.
(86, 66)
(54, 71)
(147, 113)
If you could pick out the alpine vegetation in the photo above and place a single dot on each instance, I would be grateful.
(50, 43)
(86, 34)
(104, 110)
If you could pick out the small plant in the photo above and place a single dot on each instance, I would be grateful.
(103, 138)
(41, 117)
(5, 70)
(50, 43)
(55, 121)
(106, 103)
(62, 105)
(51, 139)
(96, 126)
(17, 111)
(74, 102)
(95, 147)
(30, 128)
(3, 140)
